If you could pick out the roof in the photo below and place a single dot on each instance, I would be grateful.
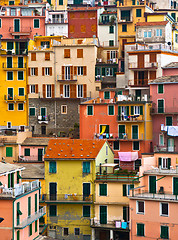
(7, 167)
(151, 23)
(73, 148)
(36, 141)
(164, 79)
(171, 65)
(33, 171)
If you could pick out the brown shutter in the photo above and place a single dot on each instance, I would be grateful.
(61, 89)
(36, 71)
(36, 88)
(84, 71)
(73, 91)
(33, 56)
(75, 71)
(116, 54)
(42, 71)
(108, 55)
(62, 72)
(79, 53)
(72, 72)
(135, 78)
(140, 60)
(53, 91)
(152, 57)
(50, 71)
(84, 90)
(66, 53)
(27, 89)
(47, 56)
(44, 90)
(152, 75)
(29, 71)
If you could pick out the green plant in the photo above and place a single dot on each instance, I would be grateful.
(76, 125)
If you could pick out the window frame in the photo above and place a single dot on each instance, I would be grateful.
(161, 209)
(12, 75)
(18, 75)
(30, 108)
(20, 104)
(33, 87)
(80, 91)
(62, 112)
(9, 105)
(112, 107)
(137, 207)
(48, 91)
(89, 207)
(92, 108)
(34, 20)
(66, 91)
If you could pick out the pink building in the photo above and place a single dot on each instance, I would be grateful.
(163, 92)
(19, 205)
(22, 21)
(170, 69)
(154, 204)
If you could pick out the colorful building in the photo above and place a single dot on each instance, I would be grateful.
(19, 204)
(70, 172)
(124, 121)
(154, 203)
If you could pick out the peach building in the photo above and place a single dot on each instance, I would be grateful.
(154, 202)
(19, 204)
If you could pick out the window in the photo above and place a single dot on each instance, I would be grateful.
(111, 43)
(27, 151)
(43, 111)
(86, 167)
(127, 188)
(66, 91)
(116, 145)
(161, 140)
(36, 226)
(20, 106)
(140, 229)
(36, 23)
(136, 110)
(165, 232)
(52, 210)
(29, 206)
(9, 125)
(20, 75)
(11, 2)
(9, 152)
(45, 44)
(64, 109)
(160, 105)
(10, 45)
(33, 56)
(106, 95)
(47, 56)
(47, 71)
(86, 237)
(164, 209)
(90, 110)
(32, 89)
(79, 70)
(109, 72)
(103, 189)
(21, 91)
(140, 207)
(52, 167)
(86, 211)
(111, 29)
(60, 2)
(30, 229)
(66, 231)
(80, 91)
(124, 27)
(138, 12)
(165, 163)
(32, 111)
(32, 71)
(147, 34)
(79, 53)
(9, 75)
(136, 145)
(168, 121)
(77, 231)
(66, 53)
(110, 110)
(160, 88)
(173, 15)
(48, 91)
(159, 32)
(10, 107)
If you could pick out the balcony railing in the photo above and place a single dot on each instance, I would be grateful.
(20, 189)
(32, 158)
(27, 221)
(127, 19)
(68, 78)
(116, 177)
(22, 30)
(131, 2)
(67, 198)
(120, 225)
(139, 82)
(45, 119)
(152, 65)
(13, 65)
(60, 20)
(15, 98)
(164, 148)
(157, 110)
(133, 136)
(136, 118)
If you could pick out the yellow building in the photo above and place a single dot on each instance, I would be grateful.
(112, 204)
(58, 5)
(13, 92)
(129, 12)
(70, 171)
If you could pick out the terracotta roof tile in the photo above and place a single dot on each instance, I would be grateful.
(165, 79)
(73, 148)
(151, 23)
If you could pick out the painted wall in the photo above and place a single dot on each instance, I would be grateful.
(6, 210)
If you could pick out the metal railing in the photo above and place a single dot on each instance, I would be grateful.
(43, 118)
(30, 219)
(138, 82)
(135, 118)
(117, 223)
(13, 65)
(70, 77)
(32, 158)
(163, 47)
(145, 65)
(66, 198)
(116, 176)
(21, 30)
(15, 98)
(155, 110)
(164, 148)
(60, 20)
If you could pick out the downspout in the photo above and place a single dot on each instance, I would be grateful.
(54, 88)
(13, 222)
(145, 122)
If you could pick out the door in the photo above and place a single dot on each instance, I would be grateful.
(103, 214)
(121, 131)
(53, 191)
(138, 94)
(10, 93)
(140, 60)
(67, 73)
(86, 190)
(43, 130)
(40, 154)
(9, 62)
(16, 25)
(152, 184)
(20, 62)
(160, 106)
(175, 186)
(170, 144)
(135, 132)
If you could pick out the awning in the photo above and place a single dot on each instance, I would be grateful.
(109, 164)
(128, 156)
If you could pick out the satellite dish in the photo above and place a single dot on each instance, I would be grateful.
(169, 43)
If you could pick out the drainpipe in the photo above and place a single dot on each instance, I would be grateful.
(13, 221)
(145, 122)
(54, 88)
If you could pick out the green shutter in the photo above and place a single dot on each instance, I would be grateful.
(111, 110)
(141, 110)
(132, 110)
(103, 72)
(160, 106)
(36, 226)
(29, 206)
(168, 121)
(140, 229)
(103, 189)
(115, 71)
(152, 184)
(119, 113)
(90, 110)
(20, 62)
(160, 88)
(9, 180)
(32, 111)
(36, 23)
(12, 180)
(138, 12)
(21, 91)
(60, 2)
(30, 229)
(18, 235)
(103, 214)
(124, 190)
(125, 214)
(9, 62)
(52, 210)
(36, 204)
(27, 151)
(169, 163)
(127, 110)
(52, 167)
(86, 167)
(43, 111)
(165, 232)
(9, 152)
(10, 45)
(86, 211)
(175, 186)
(18, 176)
(107, 95)
(159, 161)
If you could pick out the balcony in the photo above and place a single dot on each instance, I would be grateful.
(57, 21)
(19, 189)
(136, 118)
(5, 52)
(126, 3)
(67, 198)
(30, 159)
(126, 20)
(13, 66)
(32, 218)
(67, 78)
(9, 98)
(43, 119)
(130, 137)
(147, 65)
(138, 83)
(163, 149)
(114, 224)
(164, 110)
(21, 31)
(129, 98)
(116, 177)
